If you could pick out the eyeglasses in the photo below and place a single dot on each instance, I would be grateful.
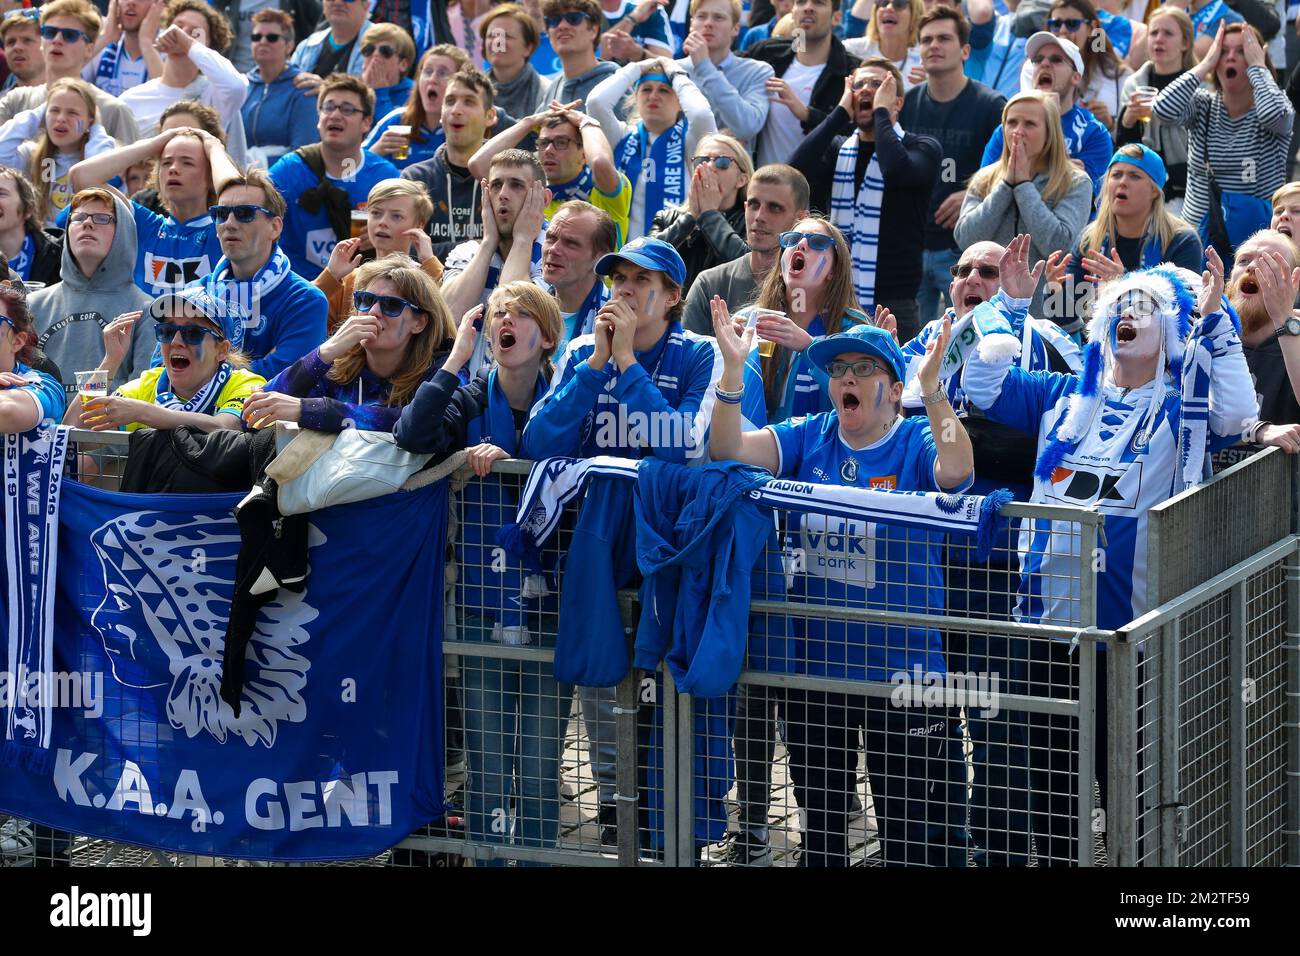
(98, 218)
(69, 34)
(271, 38)
(5, 320)
(386, 51)
(559, 143)
(191, 335)
(1054, 60)
(962, 269)
(719, 162)
(863, 369)
(244, 212)
(1070, 23)
(572, 17)
(438, 73)
(347, 109)
(391, 306)
(816, 241)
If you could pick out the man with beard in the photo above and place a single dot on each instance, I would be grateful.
(1263, 290)
(878, 184)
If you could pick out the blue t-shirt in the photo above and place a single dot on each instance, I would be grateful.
(170, 254)
(45, 388)
(308, 238)
(864, 564)
(418, 152)
(655, 29)
(544, 59)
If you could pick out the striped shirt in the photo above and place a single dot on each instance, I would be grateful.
(1248, 154)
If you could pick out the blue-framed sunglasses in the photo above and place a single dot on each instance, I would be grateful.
(816, 241)
(390, 306)
(244, 212)
(69, 34)
(191, 335)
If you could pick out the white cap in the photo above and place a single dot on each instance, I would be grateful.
(1042, 38)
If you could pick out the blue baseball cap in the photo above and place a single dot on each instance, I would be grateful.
(868, 339)
(195, 301)
(1149, 162)
(647, 253)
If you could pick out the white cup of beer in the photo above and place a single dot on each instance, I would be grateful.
(766, 348)
(403, 151)
(92, 385)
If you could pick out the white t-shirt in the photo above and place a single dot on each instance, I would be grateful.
(126, 74)
(863, 49)
(783, 132)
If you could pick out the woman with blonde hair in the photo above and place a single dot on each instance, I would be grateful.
(49, 140)
(893, 31)
(367, 371)
(1133, 229)
(709, 228)
(1170, 41)
(515, 710)
(1033, 187)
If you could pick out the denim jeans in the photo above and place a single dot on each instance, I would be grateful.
(932, 296)
(515, 714)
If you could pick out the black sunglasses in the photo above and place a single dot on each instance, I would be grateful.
(962, 269)
(244, 212)
(572, 17)
(69, 34)
(816, 241)
(268, 37)
(1070, 23)
(719, 162)
(391, 306)
(386, 51)
(191, 335)
(896, 4)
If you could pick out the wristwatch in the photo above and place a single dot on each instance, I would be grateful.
(1290, 327)
(589, 121)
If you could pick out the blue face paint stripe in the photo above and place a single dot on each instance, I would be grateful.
(880, 393)
(821, 267)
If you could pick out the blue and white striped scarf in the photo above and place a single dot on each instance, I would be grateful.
(33, 476)
(579, 187)
(856, 213)
(664, 162)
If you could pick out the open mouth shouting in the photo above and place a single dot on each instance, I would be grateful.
(1284, 227)
(1249, 285)
(177, 361)
(972, 299)
(1230, 73)
(849, 400)
(505, 341)
(1126, 331)
(1044, 80)
(797, 262)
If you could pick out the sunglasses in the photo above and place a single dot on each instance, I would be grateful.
(1054, 60)
(1070, 23)
(390, 306)
(384, 50)
(271, 38)
(5, 320)
(962, 269)
(862, 369)
(816, 241)
(719, 162)
(438, 73)
(244, 212)
(347, 109)
(896, 4)
(572, 17)
(69, 34)
(98, 218)
(191, 335)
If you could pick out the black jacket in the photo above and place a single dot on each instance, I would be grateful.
(716, 237)
(305, 13)
(779, 52)
(188, 460)
(48, 256)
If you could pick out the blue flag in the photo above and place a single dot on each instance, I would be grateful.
(337, 752)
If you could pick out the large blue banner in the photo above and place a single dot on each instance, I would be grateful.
(337, 751)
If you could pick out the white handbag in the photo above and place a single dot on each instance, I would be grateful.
(357, 466)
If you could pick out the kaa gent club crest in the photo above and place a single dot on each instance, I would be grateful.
(167, 582)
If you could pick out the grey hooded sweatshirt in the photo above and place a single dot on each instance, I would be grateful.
(78, 345)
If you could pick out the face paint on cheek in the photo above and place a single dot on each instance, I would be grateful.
(650, 301)
(880, 393)
(532, 339)
(821, 267)
(198, 351)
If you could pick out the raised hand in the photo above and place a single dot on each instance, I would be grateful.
(344, 257)
(1101, 267)
(1277, 285)
(357, 330)
(1057, 263)
(884, 319)
(1211, 299)
(734, 345)
(421, 242)
(927, 373)
(466, 335)
(1018, 281)
(117, 337)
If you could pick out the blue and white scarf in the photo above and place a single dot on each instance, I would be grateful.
(1204, 18)
(33, 475)
(204, 401)
(585, 322)
(555, 482)
(242, 298)
(1213, 336)
(21, 264)
(856, 213)
(500, 419)
(579, 187)
(664, 163)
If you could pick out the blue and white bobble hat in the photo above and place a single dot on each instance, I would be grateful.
(1175, 291)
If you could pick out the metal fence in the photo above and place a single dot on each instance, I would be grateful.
(1174, 740)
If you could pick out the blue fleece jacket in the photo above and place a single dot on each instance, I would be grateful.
(277, 114)
(389, 98)
(699, 540)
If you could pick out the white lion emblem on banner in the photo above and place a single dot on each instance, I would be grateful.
(173, 573)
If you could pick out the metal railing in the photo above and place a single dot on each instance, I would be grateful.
(1174, 740)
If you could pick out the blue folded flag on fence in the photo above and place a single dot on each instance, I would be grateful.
(337, 752)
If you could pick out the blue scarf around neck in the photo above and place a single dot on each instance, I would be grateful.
(664, 162)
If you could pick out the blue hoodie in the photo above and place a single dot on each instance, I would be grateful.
(277, 115)
(389, 98)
